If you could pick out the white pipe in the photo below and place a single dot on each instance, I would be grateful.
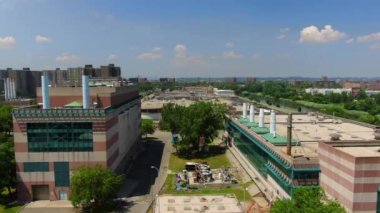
(244, 110)
(261, 118)
(45, 92)
(273, 123)
(5, 90)
(85, 92)
(9, 89)
(14, 90)
(251, 114)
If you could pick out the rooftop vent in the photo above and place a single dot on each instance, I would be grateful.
(335, 136)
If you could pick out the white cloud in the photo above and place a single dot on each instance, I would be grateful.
(369, 37)
(7, 42)
(42, 39)
(284, 30)
(230, 44)
(280, 37)
(153, 54)
(180, 51)
(256, 56)
(112, 57)
(312, 34)
(230, 54)
(67, 58)
(349, 41)
(375, 46)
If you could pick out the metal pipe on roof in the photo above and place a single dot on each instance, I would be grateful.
(272, 129)
(289, 135)
(14, 89)
(9, 89)
(45, 92)
(261, 118)
(251, 114)
(5, 90)
(244, 110)
(85, 92)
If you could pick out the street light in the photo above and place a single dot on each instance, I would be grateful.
(244, 206)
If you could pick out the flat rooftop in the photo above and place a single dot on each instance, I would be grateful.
(198, 203)
(308, 130)
(363, 151)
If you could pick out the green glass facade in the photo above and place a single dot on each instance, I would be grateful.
(61, 174)
(268, 162)
(60, 137)
(36, 167)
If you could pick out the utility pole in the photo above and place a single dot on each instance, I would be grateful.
(289, 135)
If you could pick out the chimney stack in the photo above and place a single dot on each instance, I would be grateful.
(45, 92)
(289, 135)
(251, 114)
(261, 118)
(9, 93)
(244, 110)
(5, 90)
(85, 92)
(14, 89)
(272, 129)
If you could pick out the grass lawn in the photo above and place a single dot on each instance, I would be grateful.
(4, 200)
(169, 188)
(216, 158)
(177, 164)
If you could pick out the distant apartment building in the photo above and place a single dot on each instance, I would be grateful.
(167, 80)
(250, 80)
(350, 173)
(224, 92)
(231, 80)
(324, 82)
(74, 127)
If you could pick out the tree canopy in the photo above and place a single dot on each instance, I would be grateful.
(7, 166)
(307, 200)
(93, 188)
(197, 124)
(147, 127)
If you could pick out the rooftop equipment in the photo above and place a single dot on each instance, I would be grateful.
(289, 135)
(251, 114)
(45, 92)
(244, 110)
(85, 92)
(261, 118)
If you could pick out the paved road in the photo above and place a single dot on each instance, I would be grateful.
(142, 176)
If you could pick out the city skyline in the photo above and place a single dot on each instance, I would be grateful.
(187, 39)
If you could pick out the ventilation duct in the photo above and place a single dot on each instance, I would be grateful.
(261, 118)
(251, 114)
(85, 92)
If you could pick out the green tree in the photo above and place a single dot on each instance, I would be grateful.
(93, 188)
(200, 121)
(7, 166)
(5, 119)
(147, 127)
(307, 200)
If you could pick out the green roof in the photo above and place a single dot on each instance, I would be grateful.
(243, 120)
(278, 140)
(73, 104)
(249, 124)
(260, 130)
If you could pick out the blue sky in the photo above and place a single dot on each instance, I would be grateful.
(197, 38)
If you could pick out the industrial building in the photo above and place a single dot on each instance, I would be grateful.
(74, 127)
(350, 173)
(282, 149)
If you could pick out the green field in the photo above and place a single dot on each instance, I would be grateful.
(177, 164)
(169, 188)
(215, 160)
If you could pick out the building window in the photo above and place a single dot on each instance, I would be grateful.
(36, 167)
(60, 137)
(61, 174)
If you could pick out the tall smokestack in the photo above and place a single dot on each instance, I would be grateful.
(14, 89)
(244, 110)
(251, 114)
(261, 118)
(289, 135)
(12, 95)
(45, 92)
(5, 90)
(85, 92)
(272, 129)
(9, 94)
